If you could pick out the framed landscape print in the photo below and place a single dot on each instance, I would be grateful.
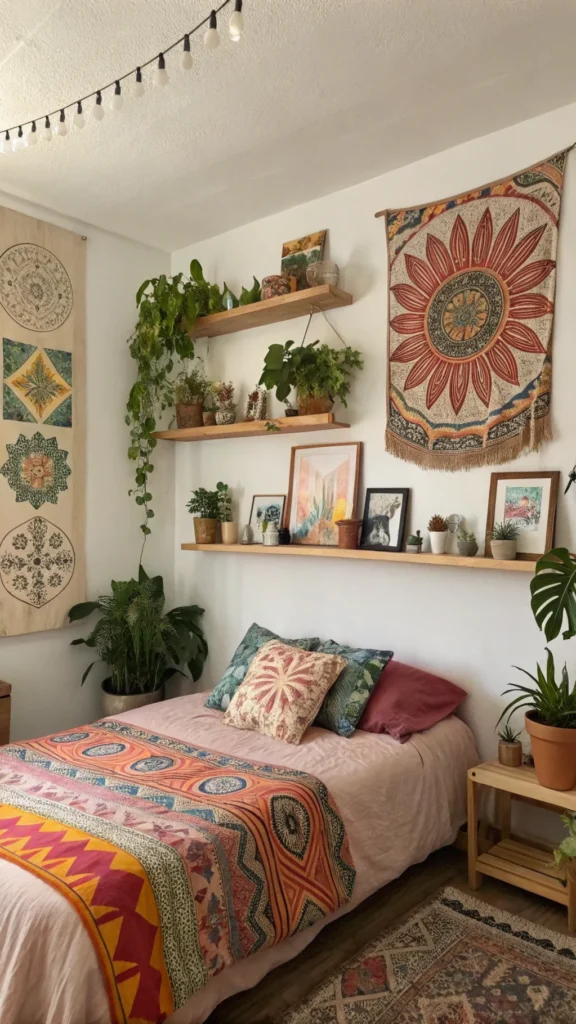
(266, 508)
(384, 518)
(323, 489)
(299, 254)
(529, 499)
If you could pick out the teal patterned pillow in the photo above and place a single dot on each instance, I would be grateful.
(344, 703)
(255, 638)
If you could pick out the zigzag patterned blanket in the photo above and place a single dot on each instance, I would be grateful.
(180, 861)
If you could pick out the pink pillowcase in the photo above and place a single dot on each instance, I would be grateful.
(407, 700)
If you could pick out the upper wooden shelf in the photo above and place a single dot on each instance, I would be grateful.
(271, 311)
(307, 550)
(254, 428)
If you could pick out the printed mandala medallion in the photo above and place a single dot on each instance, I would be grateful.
(35, 289)
(39, 388)
(36, 562)
(36, 469)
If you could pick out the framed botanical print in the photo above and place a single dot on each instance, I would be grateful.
(384, 519)
(266, 508)
(529, 500)
(323, 489)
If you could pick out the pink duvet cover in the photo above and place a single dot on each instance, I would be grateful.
(399, 802)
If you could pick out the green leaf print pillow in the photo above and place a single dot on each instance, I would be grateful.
(344, 703)
(255, 638)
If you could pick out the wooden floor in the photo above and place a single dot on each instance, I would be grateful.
(288, 985)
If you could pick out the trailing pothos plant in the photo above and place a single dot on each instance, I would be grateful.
(167, 311)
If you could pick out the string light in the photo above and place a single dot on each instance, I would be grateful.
(186, 61)
(117, 99)
(211, 38)
(138, 87)
(236, 23)
(22, 139)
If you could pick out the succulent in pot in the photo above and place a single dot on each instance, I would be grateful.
(503, 538)
(467, 543)
(205, 506)
(438, 531)
(190, 390)
(414, 543)
(141, 644)
(509, 747)
(319, 374)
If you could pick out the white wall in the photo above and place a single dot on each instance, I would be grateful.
(44, 670)
(468, 625)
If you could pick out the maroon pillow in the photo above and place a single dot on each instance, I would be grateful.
(407, 700)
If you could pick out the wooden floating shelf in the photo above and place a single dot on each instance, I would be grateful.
(255, 428)
(308, 551)
(271, 311)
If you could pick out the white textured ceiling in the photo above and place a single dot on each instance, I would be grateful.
(319, 95)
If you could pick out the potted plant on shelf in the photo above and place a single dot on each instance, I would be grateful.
(319, 374)
(503, 540)
(414, 543)
(466, 542)
(205, 506)
(190, 390)
(142, 645)
(229, 528)
(223, 395)
(509, 747)
(438, 531)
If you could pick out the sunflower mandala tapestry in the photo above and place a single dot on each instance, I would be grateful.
(471, 309)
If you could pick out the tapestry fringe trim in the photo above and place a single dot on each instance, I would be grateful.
(533, 435)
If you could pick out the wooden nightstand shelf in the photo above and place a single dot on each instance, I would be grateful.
(518, 863)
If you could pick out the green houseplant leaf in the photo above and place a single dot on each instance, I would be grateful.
(553, 590)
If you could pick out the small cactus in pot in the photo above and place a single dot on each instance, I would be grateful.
(414, 543)
(438, 531)
(509, 747)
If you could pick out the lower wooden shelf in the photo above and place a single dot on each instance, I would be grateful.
(526, 866)
(255, 428)
(309, 551)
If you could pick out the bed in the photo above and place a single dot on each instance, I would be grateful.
(399, 802)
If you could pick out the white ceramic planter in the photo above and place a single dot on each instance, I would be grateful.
(271, 539)
(503, 549)
(116, 703)
(438, 541)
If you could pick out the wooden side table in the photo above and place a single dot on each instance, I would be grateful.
(518, 863)
(5, 690)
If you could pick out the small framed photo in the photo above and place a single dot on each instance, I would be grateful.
(323, 489)
(298, 255)
(384, 518)
(266, 508)
(529, 500)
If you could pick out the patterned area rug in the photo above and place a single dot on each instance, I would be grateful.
(454, 961)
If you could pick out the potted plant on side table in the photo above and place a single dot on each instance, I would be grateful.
(509, 747)
(142, 645)
(319, 373)
(205, 507)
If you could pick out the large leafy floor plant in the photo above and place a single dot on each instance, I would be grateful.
(142, 645)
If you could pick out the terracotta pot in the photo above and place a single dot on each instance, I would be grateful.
(209, 418)
(438, 540)
(309, 405)
(189, 415)
(554, 752)
(348, 530)
(510, 754)
(229, 533)
(503, 549)
(205, 530)
(117, 703)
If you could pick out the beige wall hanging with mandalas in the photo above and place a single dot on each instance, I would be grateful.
(42, 437)
(471, 307)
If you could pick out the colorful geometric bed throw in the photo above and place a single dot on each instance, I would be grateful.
(42, 457)
(471, 307)
(179, 861)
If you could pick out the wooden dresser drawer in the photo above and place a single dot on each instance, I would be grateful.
(5, 689)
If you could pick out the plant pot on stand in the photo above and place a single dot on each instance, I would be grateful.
(554, 753)
(510, 753)
(114, 704)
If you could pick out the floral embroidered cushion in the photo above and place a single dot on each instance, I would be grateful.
(344, 704)
(283, 691)
(255, 638)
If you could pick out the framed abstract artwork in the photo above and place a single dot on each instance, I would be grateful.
(384, 519)
(323, 489)
(298, 255)
(529, 499)
(266, 508)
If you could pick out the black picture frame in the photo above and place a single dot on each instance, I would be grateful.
(378, 524)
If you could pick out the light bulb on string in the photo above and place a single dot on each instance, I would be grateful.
(32, 136)
(18, 140)
(98, 109)
(6, 145)
(117, 101)
(236, 23)
(211, 38)
(47, 130)
(186, 61)
(161, 75)
(62, 127)
(78, 119)
(138, 87)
